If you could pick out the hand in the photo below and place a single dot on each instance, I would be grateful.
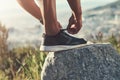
(74, 25)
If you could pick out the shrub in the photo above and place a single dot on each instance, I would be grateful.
(22, 63)
(3, 47)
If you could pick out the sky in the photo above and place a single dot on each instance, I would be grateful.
(10, 11)
(8, 4)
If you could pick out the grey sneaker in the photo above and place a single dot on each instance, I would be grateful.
(59, 42)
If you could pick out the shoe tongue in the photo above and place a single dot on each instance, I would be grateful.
(59, 33)
(63, 29)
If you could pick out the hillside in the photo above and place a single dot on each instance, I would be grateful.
(114, 5)
(103, 19)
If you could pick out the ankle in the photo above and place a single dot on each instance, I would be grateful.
(52, 33)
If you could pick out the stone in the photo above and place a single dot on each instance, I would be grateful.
(91, 62)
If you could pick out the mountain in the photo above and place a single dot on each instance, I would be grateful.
(114, 5)
(105, 19)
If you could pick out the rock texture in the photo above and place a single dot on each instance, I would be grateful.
(92, 62)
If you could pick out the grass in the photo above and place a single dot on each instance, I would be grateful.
(113, 40)
(25, 63)
(30, 63)
(22, 64)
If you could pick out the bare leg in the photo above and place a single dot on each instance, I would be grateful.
(48, 8)
(31, 7)
(62, 40)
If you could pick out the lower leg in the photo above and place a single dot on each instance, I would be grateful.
(31, 7)
(48, 8)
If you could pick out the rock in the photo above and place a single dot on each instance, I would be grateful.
(91, 62)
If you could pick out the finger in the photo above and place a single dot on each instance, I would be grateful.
(72, 30)
(71, 22)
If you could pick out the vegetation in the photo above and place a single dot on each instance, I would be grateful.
(26, 63)
(20, 63)
(113, 40)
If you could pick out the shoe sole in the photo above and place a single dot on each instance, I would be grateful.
(61, 47)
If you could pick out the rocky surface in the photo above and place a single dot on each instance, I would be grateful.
(92, 62)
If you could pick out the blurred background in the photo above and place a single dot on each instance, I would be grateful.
(20, 34)
(99, 16)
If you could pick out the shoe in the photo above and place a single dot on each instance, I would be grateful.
(59, 42)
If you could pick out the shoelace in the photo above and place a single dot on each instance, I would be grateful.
(64, 29)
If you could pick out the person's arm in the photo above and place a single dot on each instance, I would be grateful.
(75, 21)
(76, 8)
(31, 7)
